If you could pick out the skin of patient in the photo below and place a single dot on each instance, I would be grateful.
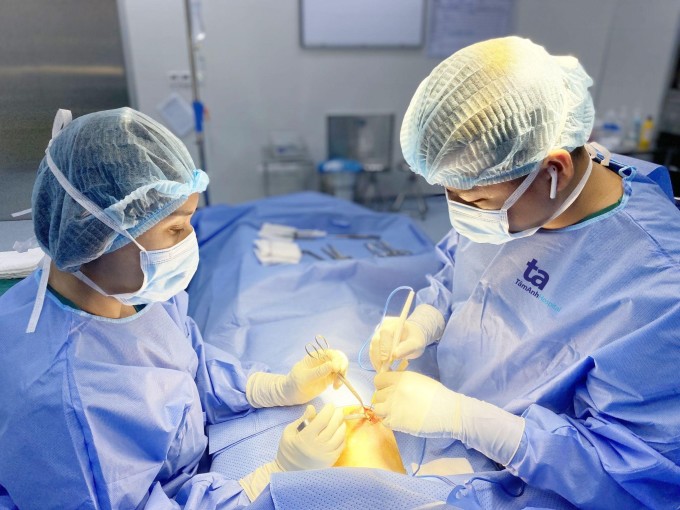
(368, 443)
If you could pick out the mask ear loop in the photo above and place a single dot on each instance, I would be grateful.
(553, 182)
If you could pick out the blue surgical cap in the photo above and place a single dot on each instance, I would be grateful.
(126, 163)
(492, 111)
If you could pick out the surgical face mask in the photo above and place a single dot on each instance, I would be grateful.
(166, 273)
(492, 226)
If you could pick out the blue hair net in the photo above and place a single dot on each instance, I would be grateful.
(492, 111)
(126, 163)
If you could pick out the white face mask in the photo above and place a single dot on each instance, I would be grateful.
(166, 273)
(492, 226)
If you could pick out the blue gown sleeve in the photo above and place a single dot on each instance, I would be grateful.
(593, 463)
(221, 379)
(619, 445)
(438, 293)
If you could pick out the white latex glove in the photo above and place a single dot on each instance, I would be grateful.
(422, 328)
(317, 446)
(415, 404)
(308, 378)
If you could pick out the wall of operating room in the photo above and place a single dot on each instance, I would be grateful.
(257, 77)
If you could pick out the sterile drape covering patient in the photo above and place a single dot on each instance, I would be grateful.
(106, 385)
(555, 311)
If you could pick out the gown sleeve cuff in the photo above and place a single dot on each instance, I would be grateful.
(254, 483)
(430, 320)
(489, 429)
(265, 390)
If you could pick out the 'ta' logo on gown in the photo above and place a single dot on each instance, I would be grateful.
(535, 276)
(538, 279)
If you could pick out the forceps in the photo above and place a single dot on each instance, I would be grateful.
(317, 350)
(333, 253)
(382, 249)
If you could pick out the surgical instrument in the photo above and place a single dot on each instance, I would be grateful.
(312, 254)
(397, 335)
(318, 351)
(354, 416)
(375, 250)
(357, 236)
(381, 249)
(334, 253)
(392, 252)
(275, 230)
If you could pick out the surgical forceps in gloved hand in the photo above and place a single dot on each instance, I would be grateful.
(317, 350)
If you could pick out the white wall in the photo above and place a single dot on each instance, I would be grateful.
(627, 46)
(259, 79)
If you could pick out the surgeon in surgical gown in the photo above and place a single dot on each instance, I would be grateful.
(106, 384)
(555, 313)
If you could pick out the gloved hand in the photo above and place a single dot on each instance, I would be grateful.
(317, 446)
(418, 405)
(308, 378)
(422, 328)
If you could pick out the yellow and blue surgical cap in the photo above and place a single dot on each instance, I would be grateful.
(128, 165)
(492, 111)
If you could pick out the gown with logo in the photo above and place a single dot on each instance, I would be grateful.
(578, 331)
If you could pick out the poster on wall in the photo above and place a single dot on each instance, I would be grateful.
(361, 23)
(454, 24)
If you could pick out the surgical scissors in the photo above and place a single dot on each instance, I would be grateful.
(317, 350)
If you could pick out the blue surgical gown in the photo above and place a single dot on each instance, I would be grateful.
(578, 331)
(103, 413)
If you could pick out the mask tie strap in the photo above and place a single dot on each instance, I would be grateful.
(40, 296)
(574, 194)
(521, 188)
(85, 202)
(62, 119)
(88, 281)
(18, 214)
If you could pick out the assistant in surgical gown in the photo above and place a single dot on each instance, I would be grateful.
(103, 413)
(578, 331)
